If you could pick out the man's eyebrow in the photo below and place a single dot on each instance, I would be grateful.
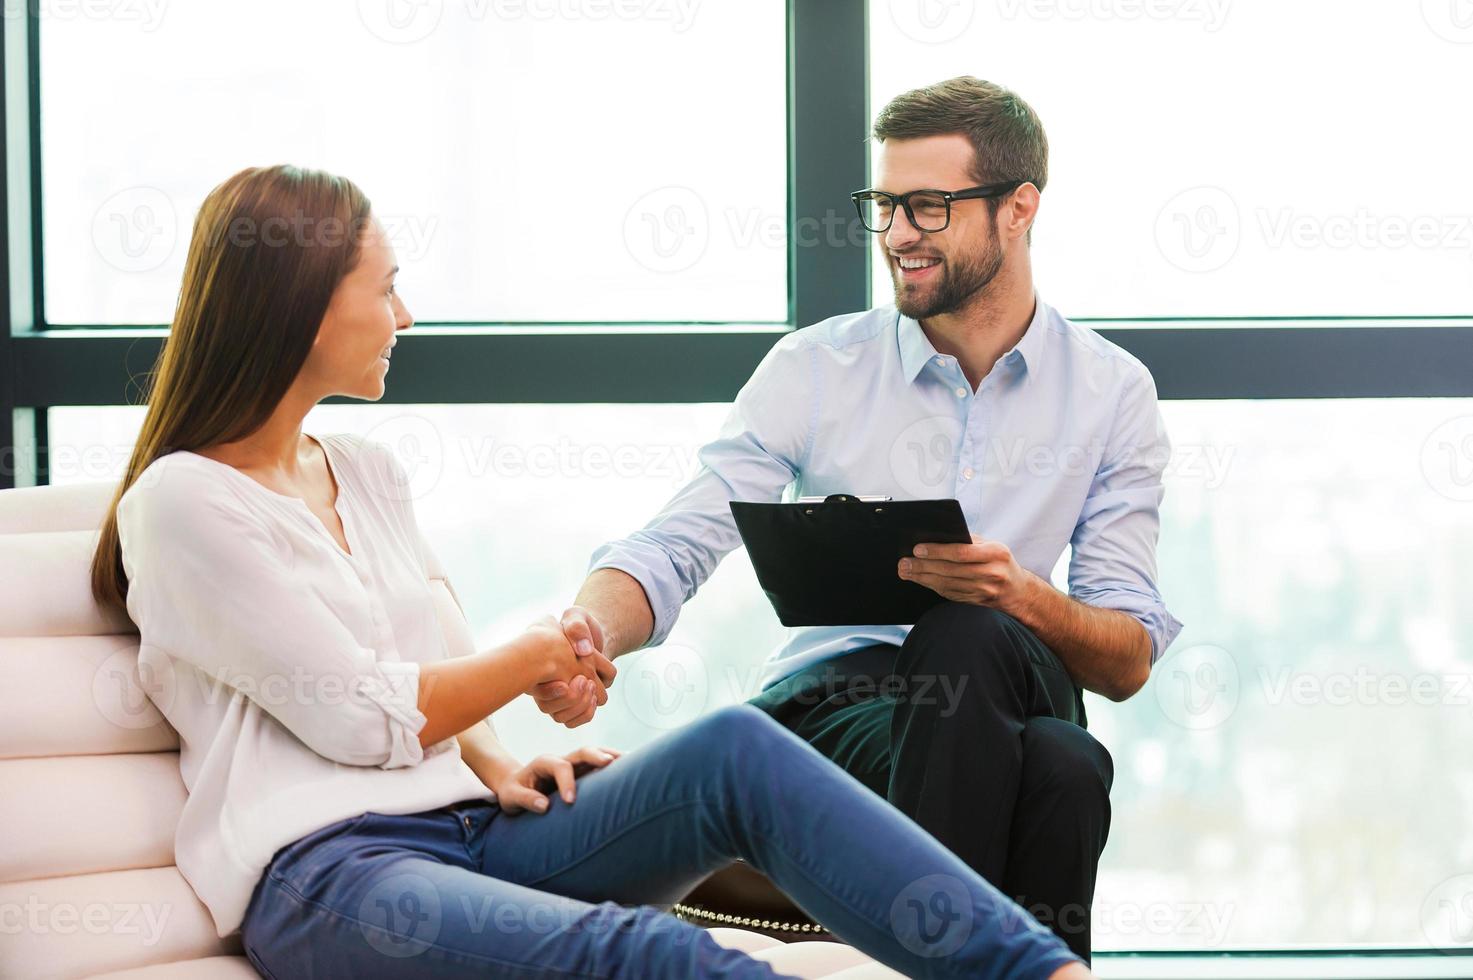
(392, 272)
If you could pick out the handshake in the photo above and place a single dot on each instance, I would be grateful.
(575, 681)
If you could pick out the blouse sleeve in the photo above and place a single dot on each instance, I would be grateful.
(209, 584)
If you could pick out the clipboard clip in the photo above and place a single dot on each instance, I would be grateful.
(846, 498)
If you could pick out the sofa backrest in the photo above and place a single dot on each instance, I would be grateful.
(90, 792)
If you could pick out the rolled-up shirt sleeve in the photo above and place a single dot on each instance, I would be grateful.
(210, 585)
(1113, 560)
(756, 455)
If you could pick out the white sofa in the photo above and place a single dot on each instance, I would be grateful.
(89, 778)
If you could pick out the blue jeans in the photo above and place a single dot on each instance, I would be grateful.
(467, 890)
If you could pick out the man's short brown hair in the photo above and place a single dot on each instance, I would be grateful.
(1007, 136)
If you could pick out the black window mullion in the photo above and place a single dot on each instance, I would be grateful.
(828, 158)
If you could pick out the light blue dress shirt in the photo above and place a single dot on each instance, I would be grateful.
(1061, 444)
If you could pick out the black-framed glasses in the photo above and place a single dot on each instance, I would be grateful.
(929, 210)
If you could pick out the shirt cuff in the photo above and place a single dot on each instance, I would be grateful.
(647, 565)
(394, 687)
(1161, 626)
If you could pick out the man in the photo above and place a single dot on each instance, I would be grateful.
(972, 721)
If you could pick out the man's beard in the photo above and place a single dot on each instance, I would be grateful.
(959, 282)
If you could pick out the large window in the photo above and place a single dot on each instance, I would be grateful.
(1225, 159)
(534, 161)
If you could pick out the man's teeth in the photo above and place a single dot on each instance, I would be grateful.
(917, 263)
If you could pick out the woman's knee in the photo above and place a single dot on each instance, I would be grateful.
(736, 726)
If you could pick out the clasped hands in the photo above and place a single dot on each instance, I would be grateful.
(578, 683)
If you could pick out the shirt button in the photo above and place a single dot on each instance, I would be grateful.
(940, 359)
(967, 473)
(961, 392)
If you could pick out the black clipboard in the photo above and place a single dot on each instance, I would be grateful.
(834, 563)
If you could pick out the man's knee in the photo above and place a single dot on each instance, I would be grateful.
(1068, 763)
(958, 639)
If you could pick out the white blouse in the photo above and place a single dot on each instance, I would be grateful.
(289, 667)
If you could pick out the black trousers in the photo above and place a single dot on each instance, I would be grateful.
(974, 729)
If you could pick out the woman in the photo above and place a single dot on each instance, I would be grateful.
(349, 809)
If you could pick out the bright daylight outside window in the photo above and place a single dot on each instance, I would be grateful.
(505, 178)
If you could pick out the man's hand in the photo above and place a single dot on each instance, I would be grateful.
(983, 573)
(572, 703)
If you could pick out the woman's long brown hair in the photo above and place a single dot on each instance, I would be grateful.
(269, 246)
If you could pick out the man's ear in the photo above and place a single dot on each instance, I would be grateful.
(1023, 207)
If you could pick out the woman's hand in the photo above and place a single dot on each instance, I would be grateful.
(527, 788)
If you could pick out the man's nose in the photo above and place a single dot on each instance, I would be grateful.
(901, 233)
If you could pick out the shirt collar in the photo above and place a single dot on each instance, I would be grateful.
(916, 350)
